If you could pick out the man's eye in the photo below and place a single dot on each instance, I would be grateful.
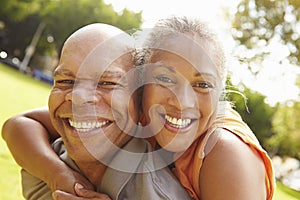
(65, 81)
(107, 83)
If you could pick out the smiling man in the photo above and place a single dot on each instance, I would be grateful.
(93, 107)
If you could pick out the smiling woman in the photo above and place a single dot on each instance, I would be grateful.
(179, 93)
(184, 65)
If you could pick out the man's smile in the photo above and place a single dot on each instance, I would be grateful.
(85, 126)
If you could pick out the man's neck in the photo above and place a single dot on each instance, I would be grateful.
(94, 171)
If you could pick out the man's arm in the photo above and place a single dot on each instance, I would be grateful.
(28, 137)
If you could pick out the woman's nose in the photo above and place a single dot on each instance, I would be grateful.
(183, 97)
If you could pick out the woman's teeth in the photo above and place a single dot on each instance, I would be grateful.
(177, 123)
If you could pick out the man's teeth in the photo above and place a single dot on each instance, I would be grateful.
(87, 126)
(178, 123)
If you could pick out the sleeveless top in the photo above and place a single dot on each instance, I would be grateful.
(188, 165)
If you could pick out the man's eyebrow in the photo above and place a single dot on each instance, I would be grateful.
(112, 74)
(63, 72)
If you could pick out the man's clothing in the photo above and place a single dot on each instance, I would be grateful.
(124, 182)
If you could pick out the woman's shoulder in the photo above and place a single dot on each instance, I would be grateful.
(231, 166)
(224, 145)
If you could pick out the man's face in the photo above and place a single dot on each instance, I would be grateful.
(91, 104)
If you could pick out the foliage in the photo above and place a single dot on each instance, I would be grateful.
(75, 14)
(17, 10)
(254, 111)
(20, 19)
(258, 23)
(277, 128)
(260, 27)
(286, 125)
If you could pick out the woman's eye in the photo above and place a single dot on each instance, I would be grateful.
(164, 79)
(204, 85)
(109, 84)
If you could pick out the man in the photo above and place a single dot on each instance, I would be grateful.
(93, 106)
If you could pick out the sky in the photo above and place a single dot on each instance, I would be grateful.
(155, 9)
(275, 81)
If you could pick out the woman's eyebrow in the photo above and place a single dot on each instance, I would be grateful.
(203, 74)
(169, 68)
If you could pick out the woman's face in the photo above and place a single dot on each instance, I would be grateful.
(180, 99)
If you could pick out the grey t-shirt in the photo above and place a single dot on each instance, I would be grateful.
(124, 184)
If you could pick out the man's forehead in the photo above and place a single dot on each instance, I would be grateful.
(98, 42)
(119, 67)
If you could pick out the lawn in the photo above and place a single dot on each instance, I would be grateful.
(20, 92)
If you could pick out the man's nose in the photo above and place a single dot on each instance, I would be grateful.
(81, 95)
(183, 97)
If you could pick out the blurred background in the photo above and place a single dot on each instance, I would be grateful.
(261, 37)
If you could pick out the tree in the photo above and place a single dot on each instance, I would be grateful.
(286, 125)
(61, 18)
(64, 17)
(258, 23)
(16, 10)
(254, 111)
(260, 27)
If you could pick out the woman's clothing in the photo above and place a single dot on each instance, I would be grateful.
(188, 165)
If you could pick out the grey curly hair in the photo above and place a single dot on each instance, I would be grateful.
(168, 27)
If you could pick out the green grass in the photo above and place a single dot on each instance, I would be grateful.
(285, 193)
(19, 92)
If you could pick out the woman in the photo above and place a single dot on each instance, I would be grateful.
(186, 73)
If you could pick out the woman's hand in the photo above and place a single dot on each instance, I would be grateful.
(65, 178)
(82, 194)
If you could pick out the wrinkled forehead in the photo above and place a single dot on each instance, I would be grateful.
(115, 51)
(95, 55)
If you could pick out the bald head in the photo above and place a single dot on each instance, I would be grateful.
(84, 41)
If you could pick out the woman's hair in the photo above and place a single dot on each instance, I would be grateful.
(168, 27)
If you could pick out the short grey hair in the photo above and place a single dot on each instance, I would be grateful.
(167, 27)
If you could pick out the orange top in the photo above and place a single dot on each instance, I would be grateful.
(188, 165)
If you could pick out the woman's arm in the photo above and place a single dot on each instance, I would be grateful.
(28, 137)
(233, 171)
